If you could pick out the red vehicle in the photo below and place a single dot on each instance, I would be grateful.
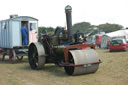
(98, 40)
(118, 45)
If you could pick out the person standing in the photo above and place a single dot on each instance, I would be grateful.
(24, 32)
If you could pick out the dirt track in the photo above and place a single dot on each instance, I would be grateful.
(113, 71)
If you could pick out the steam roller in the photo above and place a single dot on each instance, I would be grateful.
(64, 49)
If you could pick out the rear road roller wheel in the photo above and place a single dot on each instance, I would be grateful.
(35, 61)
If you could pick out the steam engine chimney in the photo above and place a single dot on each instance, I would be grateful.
(68, 10)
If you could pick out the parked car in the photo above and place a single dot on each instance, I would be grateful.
(118, 45)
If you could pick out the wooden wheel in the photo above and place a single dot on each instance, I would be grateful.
(12, 56)
(19, 58)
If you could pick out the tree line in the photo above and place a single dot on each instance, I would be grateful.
(86, 27)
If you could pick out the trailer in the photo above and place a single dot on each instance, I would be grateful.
(11, 40)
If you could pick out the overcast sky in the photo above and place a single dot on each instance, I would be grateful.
(51, 12)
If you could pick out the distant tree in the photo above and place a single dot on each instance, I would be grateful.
(85, 27)
(109, 27)
(44, 30)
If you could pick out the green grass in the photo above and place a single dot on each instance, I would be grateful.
(112, 71)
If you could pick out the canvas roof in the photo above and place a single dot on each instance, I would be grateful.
(118, 33)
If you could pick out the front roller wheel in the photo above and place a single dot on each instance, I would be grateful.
(87, 59)
(70, 69)
(35, 61)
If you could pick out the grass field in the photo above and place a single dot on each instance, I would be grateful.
(112, 71)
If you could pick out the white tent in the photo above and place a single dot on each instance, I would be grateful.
(111, 35)
(118, 33)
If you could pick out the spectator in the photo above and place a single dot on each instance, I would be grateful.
(24, 32)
